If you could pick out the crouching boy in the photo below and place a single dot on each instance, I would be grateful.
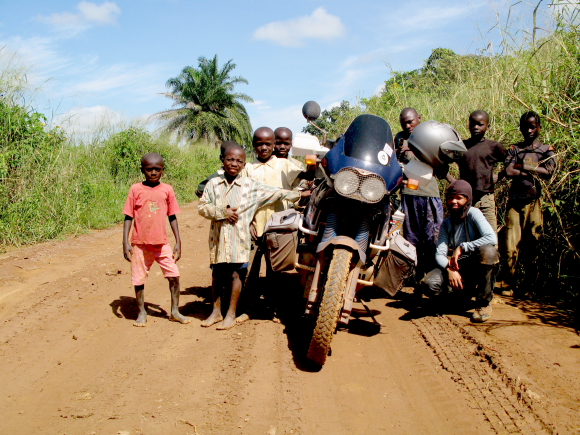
(148, 204)
(230, 201)
(466, 255)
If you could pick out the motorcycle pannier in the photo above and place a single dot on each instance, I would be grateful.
(281, 237)
(398, 264)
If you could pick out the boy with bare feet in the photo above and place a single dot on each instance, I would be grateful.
(230, 201)
(273, 171)
(147, 206)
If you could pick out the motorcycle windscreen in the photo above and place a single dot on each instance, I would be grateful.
(369, 138)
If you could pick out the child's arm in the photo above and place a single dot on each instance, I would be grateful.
(175, 229)
(207, 206)
(127, 249)
(269, 195)
(545, 167)
(510, 164)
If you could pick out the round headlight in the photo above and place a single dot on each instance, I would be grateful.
(346, 182)
(372, 189)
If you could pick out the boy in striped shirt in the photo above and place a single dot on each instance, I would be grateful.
(230, 201)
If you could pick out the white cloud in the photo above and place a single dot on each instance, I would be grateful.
(379, 89)
(89, 14)
(44, 68)
(93, 122)
(427, 18)
(364, 58)
(140, 78)
(332, 105)
(86, 120)
(292, 33)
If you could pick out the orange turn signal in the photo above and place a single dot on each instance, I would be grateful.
(412, 184)
(311, 159)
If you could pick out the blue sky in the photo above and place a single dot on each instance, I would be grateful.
(91, 60)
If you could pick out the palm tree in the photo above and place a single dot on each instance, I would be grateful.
(205, 106)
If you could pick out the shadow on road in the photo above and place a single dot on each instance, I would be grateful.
(299, 328)
(548, 314)
(200, 309)
(126, 307)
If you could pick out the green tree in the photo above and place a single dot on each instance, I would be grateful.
(205, 106)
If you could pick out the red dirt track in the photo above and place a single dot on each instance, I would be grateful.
(72, 363)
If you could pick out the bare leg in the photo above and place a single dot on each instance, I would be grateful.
(175, 315)
(230, 320)
(140, 297)
(216, 314)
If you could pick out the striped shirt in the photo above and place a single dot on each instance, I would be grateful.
(232, 243)
(280, 173)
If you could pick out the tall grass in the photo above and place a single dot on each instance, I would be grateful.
(50, 186)
(541, 74)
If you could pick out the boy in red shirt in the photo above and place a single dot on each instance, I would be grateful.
(148, 203)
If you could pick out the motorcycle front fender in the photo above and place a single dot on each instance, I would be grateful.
(347, 242)
(350, 290)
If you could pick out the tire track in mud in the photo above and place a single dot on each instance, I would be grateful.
(506, 403)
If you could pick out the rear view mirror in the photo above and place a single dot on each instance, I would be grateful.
(311, 111)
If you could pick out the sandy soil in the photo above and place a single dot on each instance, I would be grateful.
(72, 363)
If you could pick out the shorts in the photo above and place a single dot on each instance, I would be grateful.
(143, 258)
(223, 273)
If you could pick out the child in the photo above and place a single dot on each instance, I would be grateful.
(423, 208)
(527, 161)
(230, 201)
(283, 145)
(224, 146)
(466, 256)
(478, 163)
(148, 203)
(272, 171)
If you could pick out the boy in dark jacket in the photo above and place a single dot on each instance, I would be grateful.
(526, 164)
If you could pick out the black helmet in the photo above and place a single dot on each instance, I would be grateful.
(436, 143)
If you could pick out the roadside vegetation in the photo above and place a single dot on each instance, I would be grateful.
(541, 74)
(50, 186)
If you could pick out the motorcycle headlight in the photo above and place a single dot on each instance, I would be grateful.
(346, 182)
(373, 189)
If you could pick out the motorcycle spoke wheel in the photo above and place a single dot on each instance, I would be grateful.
(330, 306)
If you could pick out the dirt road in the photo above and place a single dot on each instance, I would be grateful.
(72, 363)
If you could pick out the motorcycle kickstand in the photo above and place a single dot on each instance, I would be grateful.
(369, 312)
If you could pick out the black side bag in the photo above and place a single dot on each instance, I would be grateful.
(281, 235)
(396, 265)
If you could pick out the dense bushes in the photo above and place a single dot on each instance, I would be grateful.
(50, 187)
(543, 76)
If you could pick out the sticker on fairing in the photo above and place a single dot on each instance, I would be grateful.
(383, 158)
(387, 148)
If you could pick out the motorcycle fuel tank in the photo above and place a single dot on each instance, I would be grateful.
(367, 144)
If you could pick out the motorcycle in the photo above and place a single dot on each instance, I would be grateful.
(352, 223)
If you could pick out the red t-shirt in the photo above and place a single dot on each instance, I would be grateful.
(149, 208)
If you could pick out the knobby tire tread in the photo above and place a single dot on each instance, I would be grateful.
(330, 306)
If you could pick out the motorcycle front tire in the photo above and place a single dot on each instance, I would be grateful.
(330, 306)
